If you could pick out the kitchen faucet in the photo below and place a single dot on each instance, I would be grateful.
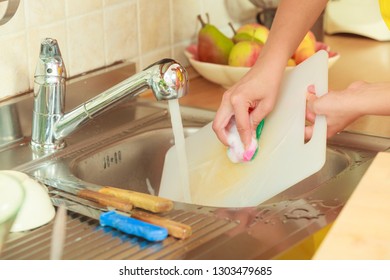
(166, 78)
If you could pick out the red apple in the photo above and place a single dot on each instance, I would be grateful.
(244, 53)
(306, 48)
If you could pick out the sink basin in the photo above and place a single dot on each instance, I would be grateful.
(136, 163)
(132, 157)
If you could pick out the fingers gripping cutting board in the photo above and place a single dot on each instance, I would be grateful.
(283, 158)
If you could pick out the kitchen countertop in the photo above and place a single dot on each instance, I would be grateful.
(361, 59)
(360, 231)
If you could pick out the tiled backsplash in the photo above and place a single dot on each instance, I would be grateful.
(95, 33)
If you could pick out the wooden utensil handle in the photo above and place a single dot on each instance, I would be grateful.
(145, 201)
(175, 229)
(106, 200)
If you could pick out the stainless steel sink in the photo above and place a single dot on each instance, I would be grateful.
(136, 163)
(126, 147)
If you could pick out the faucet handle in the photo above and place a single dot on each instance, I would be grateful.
(50, 61)
(49, 96)
(169, 79)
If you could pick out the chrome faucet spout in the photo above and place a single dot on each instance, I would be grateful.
(166, 78)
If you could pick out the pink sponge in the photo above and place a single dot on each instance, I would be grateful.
(236, 151)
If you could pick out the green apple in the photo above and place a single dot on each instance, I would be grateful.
(251, 32)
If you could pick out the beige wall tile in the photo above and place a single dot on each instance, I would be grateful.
(77, 7)
(185, 23)
(120, 31)
(155, 25)
(13, 66)
(152, 57)
(114, 2)
(178, 54)
(217, 10)
(39, 12)
(85, 43)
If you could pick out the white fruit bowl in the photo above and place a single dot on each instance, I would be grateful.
(226, 75)
(11, 200)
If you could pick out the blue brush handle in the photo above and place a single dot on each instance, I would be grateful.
(133, 226)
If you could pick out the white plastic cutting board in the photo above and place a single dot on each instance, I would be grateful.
(283, 158)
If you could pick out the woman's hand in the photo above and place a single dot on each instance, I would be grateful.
(255, 95)
(343, 107)
(249, 101)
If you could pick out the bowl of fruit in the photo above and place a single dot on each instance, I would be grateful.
(224, 60)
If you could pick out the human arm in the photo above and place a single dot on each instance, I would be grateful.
(343, 107)
(255, 95)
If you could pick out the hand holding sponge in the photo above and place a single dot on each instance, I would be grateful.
(236, 151)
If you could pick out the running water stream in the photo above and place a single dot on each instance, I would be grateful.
(178, 133)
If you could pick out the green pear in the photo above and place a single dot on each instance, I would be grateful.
(213, 45)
